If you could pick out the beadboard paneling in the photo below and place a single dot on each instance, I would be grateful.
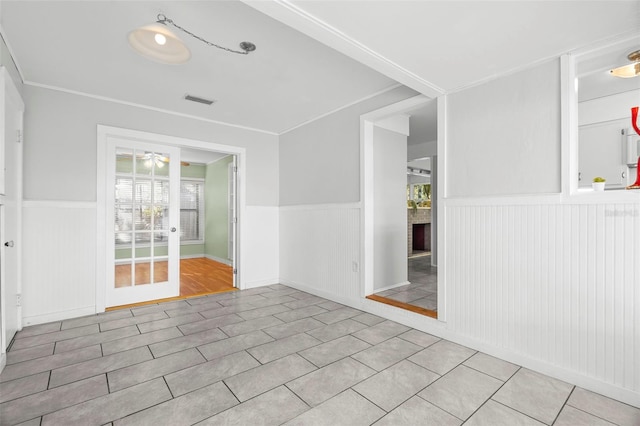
(58, 260)
(556, 283)
(318, 246)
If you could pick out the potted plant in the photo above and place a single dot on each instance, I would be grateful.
(598, 183)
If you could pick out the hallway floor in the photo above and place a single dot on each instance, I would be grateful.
(273, 355)
(423, 290)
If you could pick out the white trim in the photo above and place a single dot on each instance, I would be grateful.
(227, 262)
(350, 104)
(320, 206)
(392, 286)
(441, 206)
(3, 361)
(102, 132)
(570, 125)
(295, 17)
(148, 107)
(59, 316)
(48, 204)
(192, 256)
(586, 196)
(13, 56)
(366, 188)
(10, 96)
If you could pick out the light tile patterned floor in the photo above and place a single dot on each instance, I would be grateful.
(271, 356)
(423, 290)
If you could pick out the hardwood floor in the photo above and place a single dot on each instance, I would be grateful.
(203, 276)
(198, 276)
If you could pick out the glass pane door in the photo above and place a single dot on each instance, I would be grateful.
(144, 214)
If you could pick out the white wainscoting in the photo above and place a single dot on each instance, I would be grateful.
(260, 253)
(553, 285)
(59, 260)
(546, 283)
(320, 250)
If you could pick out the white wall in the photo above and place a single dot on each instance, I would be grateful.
(504, 137)
(547, 282)
(60, 196)
(390, 209)
(320, 162)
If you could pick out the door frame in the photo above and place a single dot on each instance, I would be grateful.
(367, 123)
(9, 94)
(103, 132)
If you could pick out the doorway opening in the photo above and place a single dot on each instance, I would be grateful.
(400, 187)
(176, 213)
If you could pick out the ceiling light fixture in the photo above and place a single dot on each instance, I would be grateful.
(157, 42)
(631, 70)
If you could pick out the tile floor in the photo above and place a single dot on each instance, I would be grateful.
(423, 290)
(270, 356)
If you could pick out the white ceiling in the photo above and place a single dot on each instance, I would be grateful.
(295, 75)
(290, 78)
(445, 45)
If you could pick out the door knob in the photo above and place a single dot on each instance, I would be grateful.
(9, 244)
(173, 229)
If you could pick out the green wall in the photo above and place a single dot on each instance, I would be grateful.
(217, 216)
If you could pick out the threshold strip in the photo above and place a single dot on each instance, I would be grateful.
(169, 299)
(403, 305)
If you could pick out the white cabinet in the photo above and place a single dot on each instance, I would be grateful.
(601, 153)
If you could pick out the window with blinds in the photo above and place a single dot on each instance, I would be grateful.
(191, 209)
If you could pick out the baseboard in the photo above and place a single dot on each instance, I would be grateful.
(357, 304)
(218, 259)
(58, 316)
(192, 256)
(439, 329)
(261, 283)
(389, 287)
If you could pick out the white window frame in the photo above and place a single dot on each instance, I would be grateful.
(569, 129)
(201, 213)
(202, 232)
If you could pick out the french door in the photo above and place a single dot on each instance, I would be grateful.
(143, 219)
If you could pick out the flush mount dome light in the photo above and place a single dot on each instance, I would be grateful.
(158, 43)
(631, 70)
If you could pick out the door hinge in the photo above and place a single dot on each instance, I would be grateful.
(235, 271)
(235, 169)
(19, 136)
(18, 300)
(235, 220)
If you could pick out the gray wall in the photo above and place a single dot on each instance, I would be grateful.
(320, 162)
(504, 136)
(60, 144)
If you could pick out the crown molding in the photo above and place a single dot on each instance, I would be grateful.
(148, 107)
(295, 17)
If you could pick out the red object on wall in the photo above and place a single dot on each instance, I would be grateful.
(634, 123)
(634, 119)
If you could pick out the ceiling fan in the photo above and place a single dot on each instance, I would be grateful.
(148, 157)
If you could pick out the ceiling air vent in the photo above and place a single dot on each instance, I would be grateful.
(199, 100)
